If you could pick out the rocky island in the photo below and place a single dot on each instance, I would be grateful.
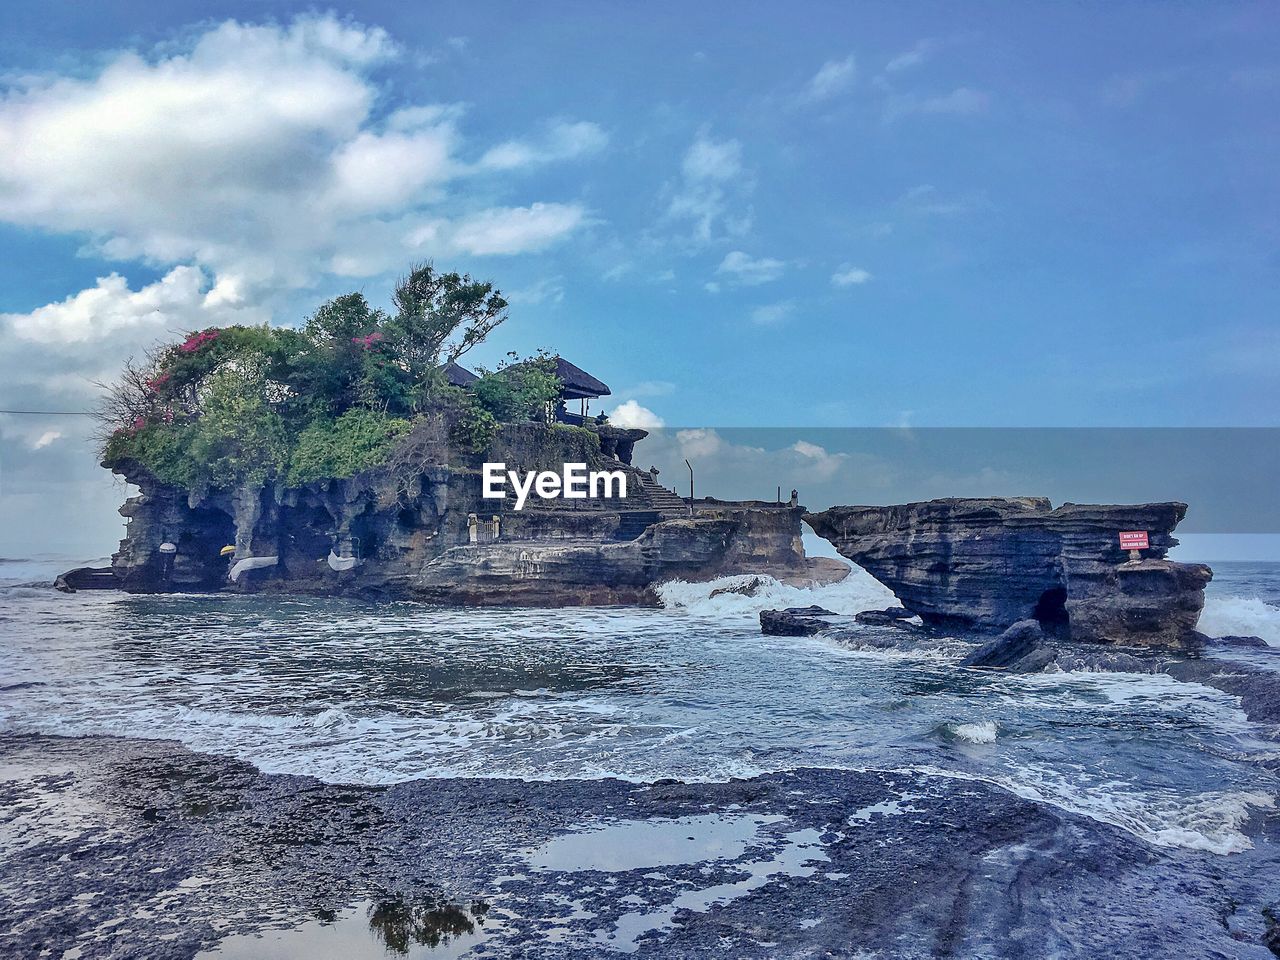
(346, 458)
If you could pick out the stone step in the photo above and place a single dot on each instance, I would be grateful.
(668, 502)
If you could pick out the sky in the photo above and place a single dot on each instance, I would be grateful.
(837, 215)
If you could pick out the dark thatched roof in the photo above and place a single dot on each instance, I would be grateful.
(577, 382)
(458, 375)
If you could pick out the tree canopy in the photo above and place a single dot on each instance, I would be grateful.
(235, 405)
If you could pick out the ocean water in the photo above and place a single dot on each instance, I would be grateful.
(380, 693)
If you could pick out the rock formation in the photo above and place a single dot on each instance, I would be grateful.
(1020, 649)
(795, 621)
(418, 528)
(986, 564)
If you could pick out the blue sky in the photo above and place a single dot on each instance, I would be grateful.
(735, 214)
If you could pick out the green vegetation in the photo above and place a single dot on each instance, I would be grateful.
(244, 405)
(355, 441)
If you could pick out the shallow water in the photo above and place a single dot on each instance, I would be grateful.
(373, 694)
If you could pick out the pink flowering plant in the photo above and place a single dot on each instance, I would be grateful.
(226, 406)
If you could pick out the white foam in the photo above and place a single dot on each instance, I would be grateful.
(1241, 616)
(982, 732)
(858, 591)
(1209, 821)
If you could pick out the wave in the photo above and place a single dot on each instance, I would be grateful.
(984, 731)
(1209, 821)
(746, 595)
(1241, 616)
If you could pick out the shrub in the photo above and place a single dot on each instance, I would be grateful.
(356, 441)
(519, 391)
(473, 427)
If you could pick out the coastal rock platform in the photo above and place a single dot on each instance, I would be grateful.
(199, 856)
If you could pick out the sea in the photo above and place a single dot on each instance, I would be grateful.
(379, 693)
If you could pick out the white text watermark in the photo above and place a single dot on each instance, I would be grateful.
(575, 482)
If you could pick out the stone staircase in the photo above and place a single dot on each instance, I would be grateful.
(666, 502)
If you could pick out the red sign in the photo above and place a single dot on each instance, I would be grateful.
(1134, 540)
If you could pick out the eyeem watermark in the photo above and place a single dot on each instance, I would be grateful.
(574, 483)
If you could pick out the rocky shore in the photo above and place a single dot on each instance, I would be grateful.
(185, 853)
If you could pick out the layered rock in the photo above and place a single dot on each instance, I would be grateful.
(418, 528)
(795, 621)
(988, 563)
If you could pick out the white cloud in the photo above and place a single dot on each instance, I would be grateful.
(630, 415)
(712, 178)
(177, 301)
(834, 76)
(962, 101)
(849, 276)
(46, 438)
(719, 459)
(925, 200)
(563, 141)
(1128, 89)
(712, 160)
(53, 357)
(546, 290)
(702, 443)
(256, 151)
(918, 54)
(821, 464)
(772, 314)
(650, 388)
(744, 270)
(508, 230)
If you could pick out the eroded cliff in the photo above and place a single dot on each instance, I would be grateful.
(417, 527)
(989, 563)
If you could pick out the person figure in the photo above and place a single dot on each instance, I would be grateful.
(497, 526)
(795, 498)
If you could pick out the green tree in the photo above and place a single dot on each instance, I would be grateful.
(439, 317)
(519, 390)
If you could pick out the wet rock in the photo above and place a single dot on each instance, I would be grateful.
(87, 578)
(272, 855)
(794, 621)
(1231, 640)
(1257, 688)
(1020, 649)
(1092, 659)
(888, 617)
(986, 564)
(748, 589)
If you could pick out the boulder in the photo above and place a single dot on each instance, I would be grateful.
(87, 578)
(1232, 640)
(794, 621)
(888, 617)
(748, 588)
(1020, 649)
(985, 564)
